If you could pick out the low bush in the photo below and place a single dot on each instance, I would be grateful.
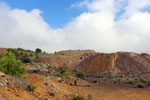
(80, 74)
(49, 66)
(143, 80)
(78, 97)
(37, 57)
(25, 59)
(64, 72)
(31, 55)
(140, 85)
(32, 86)
(62, 54)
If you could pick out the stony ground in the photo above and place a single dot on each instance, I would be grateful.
(49, 88)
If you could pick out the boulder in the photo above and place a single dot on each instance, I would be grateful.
(2, 74)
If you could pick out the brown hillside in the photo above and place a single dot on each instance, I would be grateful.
(66, 59)
(121, 62)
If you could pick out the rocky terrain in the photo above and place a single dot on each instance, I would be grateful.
(54, 76)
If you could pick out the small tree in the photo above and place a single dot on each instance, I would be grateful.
(11, 66)
(38, 50)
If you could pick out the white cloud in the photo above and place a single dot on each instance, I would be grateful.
(136, 5)
(95, 29)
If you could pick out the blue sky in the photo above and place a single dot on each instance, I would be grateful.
(55, 12)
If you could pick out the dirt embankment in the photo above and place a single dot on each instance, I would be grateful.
(2, 51)
(121, 62)
(50, 89)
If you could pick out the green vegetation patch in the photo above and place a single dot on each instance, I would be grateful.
(11, 66)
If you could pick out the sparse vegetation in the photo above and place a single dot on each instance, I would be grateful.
(143, 80)
(32, 86)
(130, 82)
(80, 74)
(20, 49)
(148, 82)
(37, 57)
(89, 97)
(31, 55)
(78, 97)
(11, 66)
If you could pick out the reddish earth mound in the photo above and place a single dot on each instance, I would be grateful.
(121, 62)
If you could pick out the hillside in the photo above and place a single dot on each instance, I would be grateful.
(93, 62)
(53, 76)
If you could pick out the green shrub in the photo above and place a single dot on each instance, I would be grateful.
(21, 53)
(25, 59)
(13, 51)
(67, 74)
(32, 86)
(62, 54)
(49, 66)
(80, 74)
(11, 66)
(140, 85)
(64, 72)
(31, 55)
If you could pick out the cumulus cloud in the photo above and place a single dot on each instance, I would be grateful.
(97, 28)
